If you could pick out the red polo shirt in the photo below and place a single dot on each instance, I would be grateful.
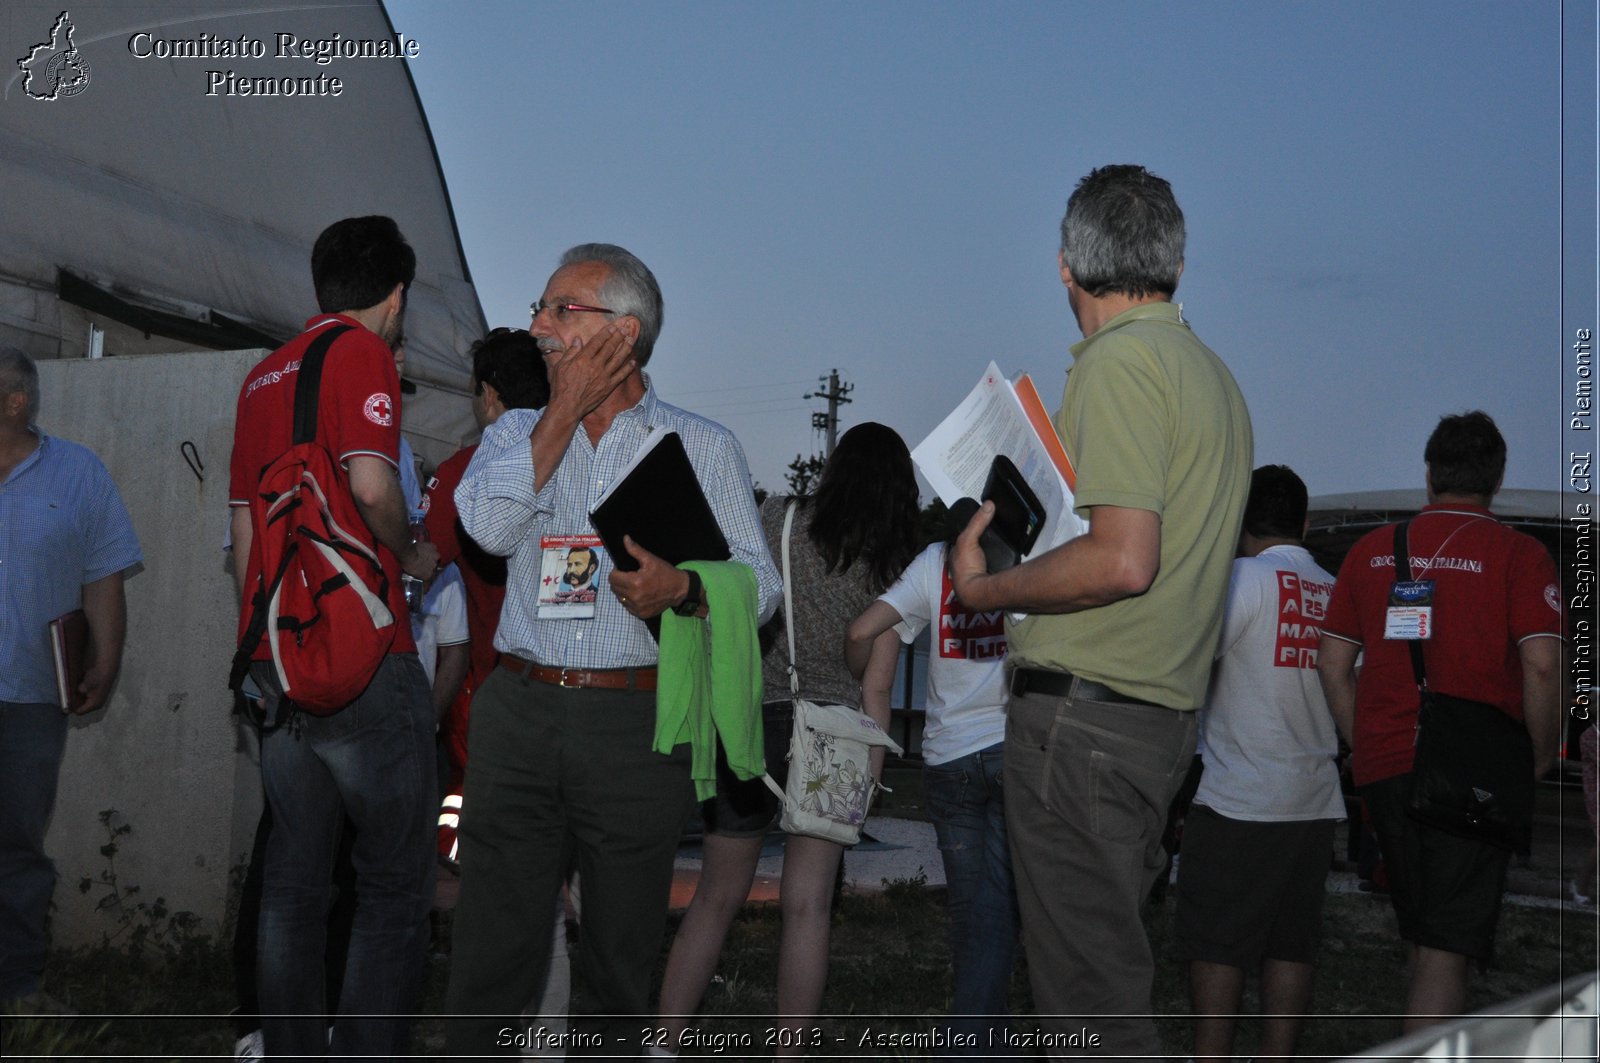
(1493, 588)
(482, 573)
(358, 413)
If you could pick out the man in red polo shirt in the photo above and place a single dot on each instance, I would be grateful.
(508, 373)
(372, 760)
(1496, 638)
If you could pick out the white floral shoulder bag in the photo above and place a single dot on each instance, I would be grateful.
(830, 784)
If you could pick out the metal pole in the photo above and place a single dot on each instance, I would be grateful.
(836, 396)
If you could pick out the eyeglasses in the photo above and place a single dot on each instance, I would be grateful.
(561, 310)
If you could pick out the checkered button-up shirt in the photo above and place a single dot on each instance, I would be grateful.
(501, 510)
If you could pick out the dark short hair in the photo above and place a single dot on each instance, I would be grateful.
(1123, 233)
(356, 263)
(18, 373)
(508, 359)
(1466, 455)
(1276, 508)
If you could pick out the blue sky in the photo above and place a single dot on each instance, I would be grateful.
(1372, 193)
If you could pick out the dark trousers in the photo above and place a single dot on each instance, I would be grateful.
(1088, 784)
(33, 739)
(558, 775)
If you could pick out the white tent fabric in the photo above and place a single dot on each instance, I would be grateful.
(1512, 502)
(145, 178)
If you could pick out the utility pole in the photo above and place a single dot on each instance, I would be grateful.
(829, 422)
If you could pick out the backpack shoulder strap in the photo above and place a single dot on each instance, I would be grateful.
(308, 384)
(307, 393)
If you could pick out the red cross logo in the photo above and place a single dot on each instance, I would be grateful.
(379, 409)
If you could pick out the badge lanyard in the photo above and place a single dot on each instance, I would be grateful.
(1409, 616)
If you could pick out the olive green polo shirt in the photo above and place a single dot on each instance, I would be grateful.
(1152, 419)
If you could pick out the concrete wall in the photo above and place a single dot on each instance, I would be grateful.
(166, 753)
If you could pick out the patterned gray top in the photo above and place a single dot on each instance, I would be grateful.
(825, 603)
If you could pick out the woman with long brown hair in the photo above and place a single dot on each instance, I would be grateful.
(849, 542)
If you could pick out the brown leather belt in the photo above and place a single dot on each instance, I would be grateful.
(580, 678)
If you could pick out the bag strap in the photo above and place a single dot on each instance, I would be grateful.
(1402, 569)
(788, 623)
(788, 597)
(308, 384)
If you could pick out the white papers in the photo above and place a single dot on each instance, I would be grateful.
(992, 420)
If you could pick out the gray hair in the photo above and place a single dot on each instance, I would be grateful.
(1123, 233)
(629, 289)
(18, 373)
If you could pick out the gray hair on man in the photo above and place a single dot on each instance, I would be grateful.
(630, 289)
(18, 373)
(1123, 233)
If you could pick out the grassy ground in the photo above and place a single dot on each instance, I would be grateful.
(168, 995)
(889, 972)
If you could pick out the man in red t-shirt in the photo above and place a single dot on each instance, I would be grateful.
(508, 373)
(1493, 635)
(372, 761)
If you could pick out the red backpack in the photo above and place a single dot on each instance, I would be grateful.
(322, 597)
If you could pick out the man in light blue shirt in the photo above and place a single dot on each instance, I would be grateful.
(562, 769)
(65, 544)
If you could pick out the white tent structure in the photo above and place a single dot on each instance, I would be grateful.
(156, 226)
(146, 209)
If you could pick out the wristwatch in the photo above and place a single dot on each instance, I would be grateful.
(691, 601)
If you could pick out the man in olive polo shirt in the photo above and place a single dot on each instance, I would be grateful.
(1116, 649)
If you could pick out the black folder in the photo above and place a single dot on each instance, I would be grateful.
(659, 503)
(1018, 516)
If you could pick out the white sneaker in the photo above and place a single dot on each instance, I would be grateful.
(251, 1048)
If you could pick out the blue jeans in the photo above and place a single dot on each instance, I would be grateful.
(372, 762)
(32, 740)
(967, 805)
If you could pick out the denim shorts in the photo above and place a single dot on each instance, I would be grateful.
(745, 808)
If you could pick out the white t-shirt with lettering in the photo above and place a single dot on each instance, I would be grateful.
(1267, 738)
(966, 660)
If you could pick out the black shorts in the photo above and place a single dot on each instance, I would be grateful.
(745, 808)
(1446, 889)
(1250, 890)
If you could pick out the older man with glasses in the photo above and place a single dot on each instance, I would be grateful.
(563, 770)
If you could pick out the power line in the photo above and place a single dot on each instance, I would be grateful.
(739, 409)
(748, 387)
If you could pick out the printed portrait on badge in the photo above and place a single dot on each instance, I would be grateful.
(569, 576)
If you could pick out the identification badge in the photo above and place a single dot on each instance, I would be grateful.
(1410, 612)
(569, 576)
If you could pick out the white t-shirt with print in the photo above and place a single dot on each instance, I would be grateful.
(966, 660)
(1267, 736)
